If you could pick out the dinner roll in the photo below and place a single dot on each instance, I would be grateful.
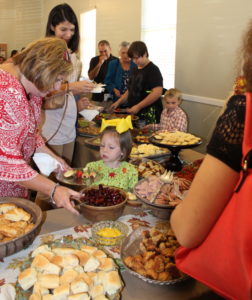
(96, 290)
(112, 282)
(40, 250)
(92, 264)
(79, 286)
(4, 207)
(63, 251)
(27, 278)
(68, 276)
(89, 249)
(35, 297)
(40, 263)
(101, 297)
(48, 297)
(107, 264)
(48, 281)
(99, 254)
(61, 292)
(17, 214)
(82, 256)
(37, 289)
(86, 278)
(80, 296)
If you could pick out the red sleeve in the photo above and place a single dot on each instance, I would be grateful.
(17, 130)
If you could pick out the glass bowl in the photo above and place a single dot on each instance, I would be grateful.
(109, 238)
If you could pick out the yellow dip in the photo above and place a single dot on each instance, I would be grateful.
(108, 232)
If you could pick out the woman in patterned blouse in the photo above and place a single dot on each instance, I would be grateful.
(32, 74)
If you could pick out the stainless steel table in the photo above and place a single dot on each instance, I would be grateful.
(135, 289)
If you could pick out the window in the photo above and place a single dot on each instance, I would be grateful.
(87, 38)
(158, 31)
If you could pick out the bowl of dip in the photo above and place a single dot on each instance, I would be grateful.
(109, 233)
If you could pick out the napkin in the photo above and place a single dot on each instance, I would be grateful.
(89, 114)
(7, 292)
(99, 88)
(46, 163)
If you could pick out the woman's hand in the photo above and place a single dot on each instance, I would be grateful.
(62, 198)
(114, 106)
(133, 110)
(83, 103)
(79, 87)
(117, 93)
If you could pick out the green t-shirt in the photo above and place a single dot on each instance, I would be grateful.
(124, 177)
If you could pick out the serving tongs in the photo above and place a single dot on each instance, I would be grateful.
(166, 177)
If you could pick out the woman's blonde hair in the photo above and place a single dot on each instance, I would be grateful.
(42, 61)
(173, 93)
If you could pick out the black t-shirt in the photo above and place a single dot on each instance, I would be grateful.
(226, 141)
(141, 82)
(103, 70)
(101, 75)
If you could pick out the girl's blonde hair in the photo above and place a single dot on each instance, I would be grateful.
(42, 61)
(173, 93)
(125, 140)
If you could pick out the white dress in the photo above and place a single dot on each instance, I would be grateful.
(66, 133)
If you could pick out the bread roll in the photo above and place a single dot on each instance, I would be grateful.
(40, 263)
(40, 250)
(101, 297)
(86, 278)
(63, 251)
(35, 297)
(17, 214)
(112, 282)
(4, 207)
(80, 296)
(107, 264)
(27, 278)
(96, 290)
(52, 269)
(37, 289)
(68, 276)
(89, 249)
(99, 254)
(48, 281)
(79, 269)
(61, 292)
(92, 264)
(82, 256)
(47, 297)
(79, 286)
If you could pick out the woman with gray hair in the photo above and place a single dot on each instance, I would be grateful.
(118, 72)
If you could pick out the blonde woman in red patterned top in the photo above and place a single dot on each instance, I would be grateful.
(31, 75)
(172, 117)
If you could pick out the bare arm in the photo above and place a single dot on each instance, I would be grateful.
(120, 101)
(94, 72)
(155, 94)
(62, 194)
(209, 193)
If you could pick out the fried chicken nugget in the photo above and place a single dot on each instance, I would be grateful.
(163, 276)
(152, 274)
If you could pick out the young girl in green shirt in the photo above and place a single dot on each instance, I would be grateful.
(115, 148)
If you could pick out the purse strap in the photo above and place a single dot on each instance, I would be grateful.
(63, 115)
(247, 139)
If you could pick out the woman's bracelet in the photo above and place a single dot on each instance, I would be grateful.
(52, 194)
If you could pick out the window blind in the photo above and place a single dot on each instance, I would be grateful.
(158, 31)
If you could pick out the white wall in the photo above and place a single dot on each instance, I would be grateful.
(208, 37)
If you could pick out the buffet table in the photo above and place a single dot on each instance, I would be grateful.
(59, 222)
(135, 288)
